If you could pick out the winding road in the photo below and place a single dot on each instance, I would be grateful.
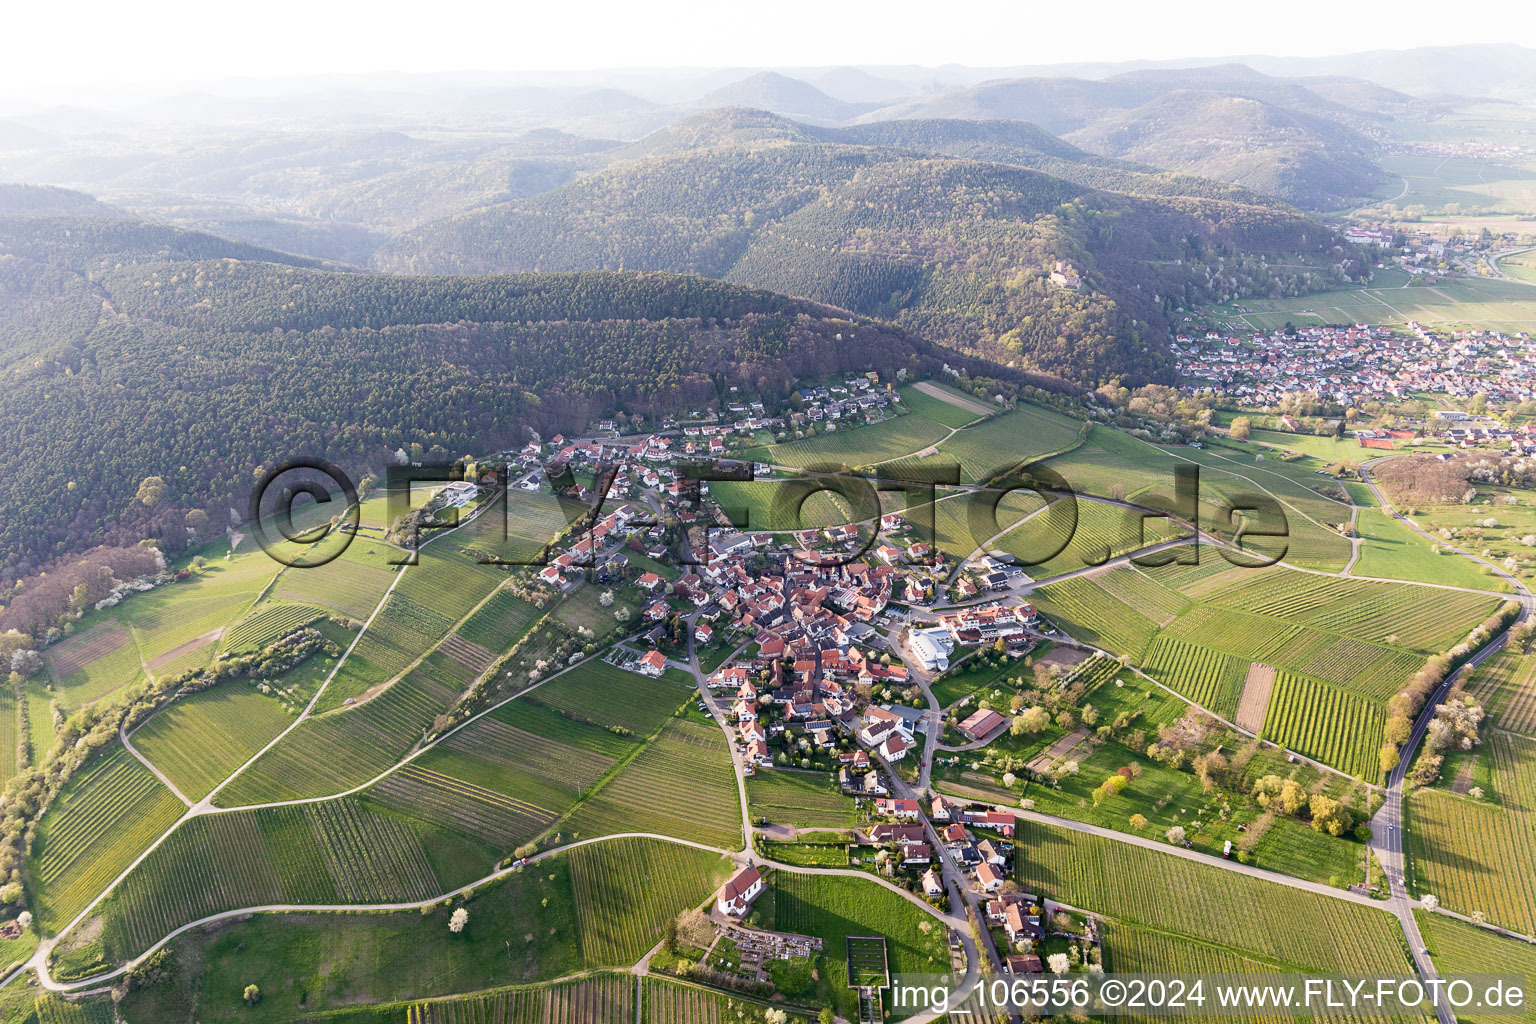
(961, 898)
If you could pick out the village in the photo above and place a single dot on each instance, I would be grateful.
(1356, 364)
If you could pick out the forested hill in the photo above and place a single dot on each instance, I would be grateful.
(200, 371)
(961, 250)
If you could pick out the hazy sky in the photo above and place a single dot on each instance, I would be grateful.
(56, 49)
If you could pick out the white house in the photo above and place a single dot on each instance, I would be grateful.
(459, 493)
(931, 647)
(737, 894)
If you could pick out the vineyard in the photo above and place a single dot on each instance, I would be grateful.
(1460, 949)
(855, 446)
(1506, 685)
(11, 726)
(51, 1009)
(1102, 531)
(500, 622)
(600, 999)
(261, 627)
(1326, 723)
(440, 800)
(1002, 443)
(1137, 589)
(198, 741)
(627, 889)
(1398, 614)
(1209, 678)
(1133, 950)
(331, 852)
(1291, 928)
(801, 799)
(337, 751)
(401, 633)
(1085, 611)
(345, 585)
(932, 402)
(599, 693)
(1482, 856)
(526, 749)
(104, 818)
(671, 1002)
(682, 784)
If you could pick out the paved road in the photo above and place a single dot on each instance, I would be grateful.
(1387, 825)
(959, 893)
(955, 920)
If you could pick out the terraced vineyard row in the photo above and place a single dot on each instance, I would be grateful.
(336, 851)
(602, 999)
(1289, 927)
(104, 818)
(682, 785)
(339, 750)
(627, 889)
(1327, 723)
(1088, 613)
(1482, 856)
(1209, 678)
(260, 628)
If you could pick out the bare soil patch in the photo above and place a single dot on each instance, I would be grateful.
(1058, 750)
(207, 638)
(1255, 700)
(467, 652)
(958, 401)
(1066, 657)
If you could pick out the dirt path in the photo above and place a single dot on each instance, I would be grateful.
(212, 636)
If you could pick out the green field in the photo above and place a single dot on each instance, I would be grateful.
(999, 444)
(1289, 928)
(1461, 949)
(834, 907)
(802, 799)
(1458, 184)
(852, 446)
(1393, 551)
(1481, 303)
(534, 925)
(950, 414)
(199, 740)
